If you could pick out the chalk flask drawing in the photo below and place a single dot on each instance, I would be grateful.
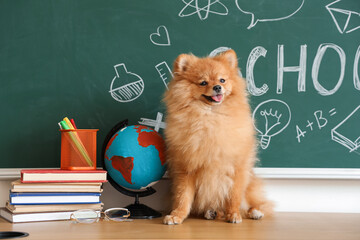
(126, 86)
(270, 118)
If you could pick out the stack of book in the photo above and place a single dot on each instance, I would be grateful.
(47, 195)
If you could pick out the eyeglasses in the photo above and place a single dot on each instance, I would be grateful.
(91, 216)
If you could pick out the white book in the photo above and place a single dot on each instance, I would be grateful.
(35, 217)
(54, 198)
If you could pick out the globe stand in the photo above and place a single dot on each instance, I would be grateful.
(141, 211)
(137, 210)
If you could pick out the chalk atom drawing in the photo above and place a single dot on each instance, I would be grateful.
(202, 8)
(345, 16)
(347, 132)
(164, 72)
(160, 37)
(125, 86)
(270, 118)
(157, 123)
(249, 7)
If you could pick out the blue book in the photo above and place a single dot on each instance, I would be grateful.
(53, 198)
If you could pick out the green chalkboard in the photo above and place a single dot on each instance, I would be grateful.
(100, 62)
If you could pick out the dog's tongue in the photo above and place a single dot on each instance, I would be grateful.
(217, 98)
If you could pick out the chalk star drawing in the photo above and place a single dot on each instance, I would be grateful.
(160, 37)
(192, 7)
(347, 132)
(157, 124)
(346, 20)
(125, 86)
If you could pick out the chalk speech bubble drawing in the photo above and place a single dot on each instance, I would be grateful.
(260, 11)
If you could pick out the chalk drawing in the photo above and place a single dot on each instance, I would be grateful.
(164, 72)
(346, 20)
(316, 66)
(270, 118)
(193, 7)
(301, 69)
(220, 50)
(125, 86)
(157, 123)
(160, 37)
(245, 7)
(253, 56)
(347, 132)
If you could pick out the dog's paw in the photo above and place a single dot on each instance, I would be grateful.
(255, 214)
(172, 220)
(210, 215)
(233, 218)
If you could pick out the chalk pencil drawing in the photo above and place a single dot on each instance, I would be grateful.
(125, 86)
(347, 132)
(270, 118)
(157, 123)
(160, 37)
(345, 14)
(202, 10)
(220, 50)
(252, 8)
(164, 72)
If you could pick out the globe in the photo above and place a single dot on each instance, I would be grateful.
(135, 157)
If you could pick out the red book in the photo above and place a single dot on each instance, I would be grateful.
(58, 175)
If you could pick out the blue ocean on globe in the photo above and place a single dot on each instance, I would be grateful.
(135, 157)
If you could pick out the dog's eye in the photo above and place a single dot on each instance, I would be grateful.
(203, 83)
(222, 80)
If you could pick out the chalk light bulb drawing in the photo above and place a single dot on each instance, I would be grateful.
(270, 118)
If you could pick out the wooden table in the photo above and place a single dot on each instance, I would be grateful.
(280, 226)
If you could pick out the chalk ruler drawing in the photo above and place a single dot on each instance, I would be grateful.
(345, 17)
(245, 7)
(193, 7)
(271, 117)
(157, 123)
(125, 86)
(220, 50)
(160, 37)
(347, 132)
(164, 72)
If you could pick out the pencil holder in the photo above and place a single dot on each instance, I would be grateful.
(78, 149)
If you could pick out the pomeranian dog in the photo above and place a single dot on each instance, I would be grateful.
(211, 142)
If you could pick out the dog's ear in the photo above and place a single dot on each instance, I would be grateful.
(230, 57)
(182, 62)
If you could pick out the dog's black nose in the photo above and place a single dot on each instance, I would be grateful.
(217, 88)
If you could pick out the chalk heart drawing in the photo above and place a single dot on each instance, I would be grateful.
(270, 118)
(345, 14)
(202, 8)
(125, 86)
(347, 132)
(268, 15)
(160, 37)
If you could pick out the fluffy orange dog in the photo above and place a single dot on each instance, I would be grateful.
(211, 142)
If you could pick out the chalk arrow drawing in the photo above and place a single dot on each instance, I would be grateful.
(193, 7)
(160, 37)
(126, 86)
(267, 16)
(347, 132)
(346, 19)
